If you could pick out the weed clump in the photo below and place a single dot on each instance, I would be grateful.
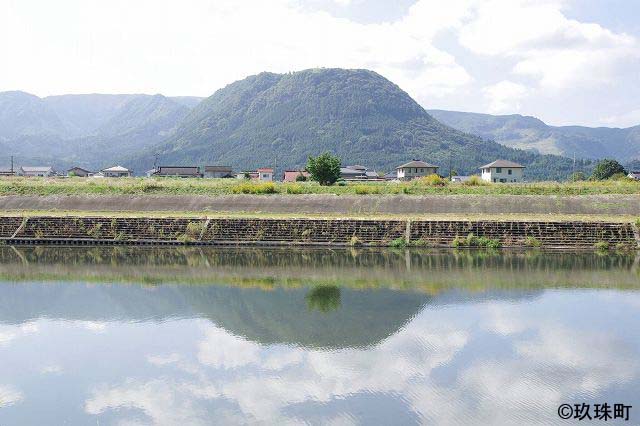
(472, 240)
(254, 188)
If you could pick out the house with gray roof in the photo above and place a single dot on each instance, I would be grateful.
(7, 171)
(218, 172)
(177, 171)
(503, 171)
(116, 171)
(415, 169)
(79, 172)
(36, 171)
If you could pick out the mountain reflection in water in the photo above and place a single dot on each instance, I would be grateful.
(221, 335)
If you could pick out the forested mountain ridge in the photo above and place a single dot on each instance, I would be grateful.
(526, 132)
(89, 130)
(270, 119)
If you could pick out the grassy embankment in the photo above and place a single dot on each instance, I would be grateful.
(159, 186)
(505, 217)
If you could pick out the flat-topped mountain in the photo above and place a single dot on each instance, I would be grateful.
(270, 119)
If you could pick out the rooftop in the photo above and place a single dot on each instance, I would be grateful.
(503, 163)
(416, 163)
(116, 169)
(217, 168)
(36, 168)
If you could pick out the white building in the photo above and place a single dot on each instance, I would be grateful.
(503, 171)
(44, 171)
(265, 174)
(116, 171)
(415, 169)
(218, 172)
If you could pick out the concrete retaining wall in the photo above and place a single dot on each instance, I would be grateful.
(336, 204)
(82, 230)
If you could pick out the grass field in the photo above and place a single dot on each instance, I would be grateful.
(507, 217)
(170, 186)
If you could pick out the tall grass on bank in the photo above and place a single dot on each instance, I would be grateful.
(426, 186)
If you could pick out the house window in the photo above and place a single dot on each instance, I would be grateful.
(498, 169)
(421, 170)
(503, 181)
(509, 171)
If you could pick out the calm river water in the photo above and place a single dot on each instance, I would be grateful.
(196, 336)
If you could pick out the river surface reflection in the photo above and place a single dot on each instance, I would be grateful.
(190, 336)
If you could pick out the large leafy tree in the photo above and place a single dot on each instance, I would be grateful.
(325, 168)
(607, 168)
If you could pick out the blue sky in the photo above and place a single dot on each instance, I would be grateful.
(564, 61)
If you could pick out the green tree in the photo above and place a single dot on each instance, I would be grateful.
(606, 168)
(576, 176)
(324, 298)
(325, 168)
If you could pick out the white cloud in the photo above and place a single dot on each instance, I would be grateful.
(9, 333)
(504, 96)
(442, 53)
(9, 396)
(557, 51)
(628, 119)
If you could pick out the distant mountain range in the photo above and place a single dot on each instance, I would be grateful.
(523, 132)
(280, 119)
(87, 130)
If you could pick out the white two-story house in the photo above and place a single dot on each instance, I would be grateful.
(415, 169)
(503, 171)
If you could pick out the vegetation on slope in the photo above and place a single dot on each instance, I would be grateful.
(524, 132)
(355, 114)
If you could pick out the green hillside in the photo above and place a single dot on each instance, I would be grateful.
(524, 132)
(281, 119)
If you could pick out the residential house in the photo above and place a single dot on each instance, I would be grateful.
(265, 174)
(7, 171)
(218, 172)
(390, 176)
(262, 174)
(415, 169)
(116, 171)
(634, 175)
(503, 171)
(177, 171)
(79, 172)
(248, 174)
(40, 171)
(358, 172)
(292, 175)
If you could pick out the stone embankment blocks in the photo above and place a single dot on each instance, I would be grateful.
(338, 232)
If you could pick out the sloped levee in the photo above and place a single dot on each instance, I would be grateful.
(339, 232)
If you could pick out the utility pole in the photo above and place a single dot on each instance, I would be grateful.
(12, 165)
(275, 166)
(450, 169)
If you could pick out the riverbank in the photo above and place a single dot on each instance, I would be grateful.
(318, 232)
(492, 206)
(215, 187)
